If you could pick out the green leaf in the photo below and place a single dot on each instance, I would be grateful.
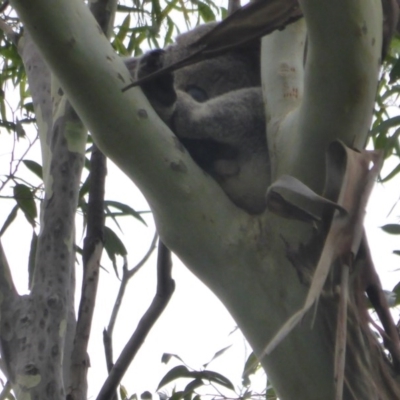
(34, 167)
(124, 28)
(250, 367)
(125, 210)
(114, 243)
(181, 371)
(29, 107)
(9, 219)
(393, 229)
(156, 14)
(224, 12)
(19, 130)
(216, 378)
(386, 125)
(175, 373)
(191, 387)
(146, 395)
(205, 12)
(177, 396)
(84, 190)
(113, 246)
(395, 72)
(396, 291)
(25, 200)
(123, 392)
(170, 30)
(247, 394)
(271, 395)
(392, 174)
(167, 356)
(218, 354)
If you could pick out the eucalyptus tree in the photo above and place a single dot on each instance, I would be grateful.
(294, 276)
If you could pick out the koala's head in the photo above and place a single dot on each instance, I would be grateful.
(236, 69)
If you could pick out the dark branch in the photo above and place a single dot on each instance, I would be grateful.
(6, 283)
(93, 243)
(165, 289)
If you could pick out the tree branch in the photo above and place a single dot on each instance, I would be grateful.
(140, 144)
(108, 333)
(7, 287)
(165, 289)
(342, 66)
(127, 275)
(93, 244)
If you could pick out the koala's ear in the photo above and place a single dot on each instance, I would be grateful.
(132, 64)
(252, 49)
(251, 52)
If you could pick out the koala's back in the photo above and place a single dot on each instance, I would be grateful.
(234, 70)
(217, 112)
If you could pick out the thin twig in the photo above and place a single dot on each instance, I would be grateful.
(92, 250)
(6, 282)
(127, 275)
(165, 289)
(14, 170)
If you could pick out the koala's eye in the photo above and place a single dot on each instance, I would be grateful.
(197, 93)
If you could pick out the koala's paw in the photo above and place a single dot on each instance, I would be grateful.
(161, 88)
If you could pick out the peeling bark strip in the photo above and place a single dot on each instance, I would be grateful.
(255, 20)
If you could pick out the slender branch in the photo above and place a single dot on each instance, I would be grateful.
(93, 243)
(165, 288)
(135, 269)
(127, 275)
(6, 282)
(14, 164)
(107, 333)
(92, 250)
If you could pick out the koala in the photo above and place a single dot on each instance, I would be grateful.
(215, 108)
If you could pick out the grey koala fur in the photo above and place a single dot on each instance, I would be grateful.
(215, 108)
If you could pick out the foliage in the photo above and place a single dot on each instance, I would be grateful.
(139, 26)
(204, 383)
